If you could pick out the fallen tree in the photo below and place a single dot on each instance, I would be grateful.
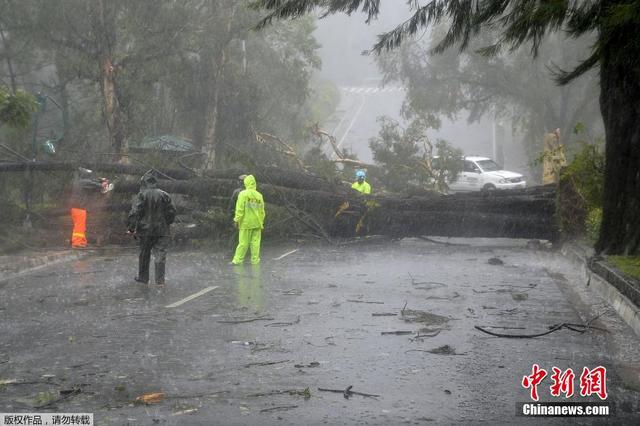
(330, 209)
(527, 214)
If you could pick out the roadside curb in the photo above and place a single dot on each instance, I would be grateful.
(14, 266)
(620, 292)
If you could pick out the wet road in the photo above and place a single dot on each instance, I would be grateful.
(246, 348)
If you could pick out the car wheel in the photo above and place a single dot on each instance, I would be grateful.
(488, 188)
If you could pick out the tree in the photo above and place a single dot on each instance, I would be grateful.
(514, 86)
(107, 43)
(406, 156)
(16, 108)
(616, 52)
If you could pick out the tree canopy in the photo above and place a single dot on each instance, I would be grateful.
(616, 50)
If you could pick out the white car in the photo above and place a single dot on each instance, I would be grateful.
(483, 174)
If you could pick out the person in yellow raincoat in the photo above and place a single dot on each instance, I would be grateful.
(360, 184)
(249, 219)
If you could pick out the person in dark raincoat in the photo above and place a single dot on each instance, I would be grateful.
(231, 208)
(151, 214)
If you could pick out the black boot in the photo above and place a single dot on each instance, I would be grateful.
(160, 274)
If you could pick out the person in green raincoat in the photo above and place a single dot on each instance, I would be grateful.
(249, 219)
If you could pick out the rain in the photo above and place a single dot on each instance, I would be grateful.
(318, 212)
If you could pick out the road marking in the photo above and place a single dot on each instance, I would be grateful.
(193, 296)
(355, 117)
(286, 254)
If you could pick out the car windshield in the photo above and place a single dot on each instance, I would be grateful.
(488, 165)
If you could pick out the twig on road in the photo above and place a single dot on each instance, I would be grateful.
(422, 237)
(279, 408)
(283, 324)
(241, 321)
(520, 336)
(422, 336)
(348, 392)
(306, 393)
(364, 301)
(64, 394)
(261, 364)
(396, 333)
(578, 328)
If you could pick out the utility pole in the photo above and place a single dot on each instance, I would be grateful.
(42, 105)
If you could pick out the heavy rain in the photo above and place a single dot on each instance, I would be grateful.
(224, 212)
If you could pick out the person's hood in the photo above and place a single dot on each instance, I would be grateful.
(148, 181)
(250, 182)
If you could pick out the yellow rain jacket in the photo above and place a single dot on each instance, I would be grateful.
(250, 206)
(363, 187)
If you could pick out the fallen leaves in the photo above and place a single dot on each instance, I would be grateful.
(150, 398)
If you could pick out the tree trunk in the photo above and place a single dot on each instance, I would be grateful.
(228, 9)
(620, 105)
(7, 55)
(112, 110)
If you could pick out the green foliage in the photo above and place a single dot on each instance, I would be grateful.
(519, 21)
(16, 108)
(586, 174)
(406, 156)
(511, 85)
(593, 222)
(630, 265)
(581, 192)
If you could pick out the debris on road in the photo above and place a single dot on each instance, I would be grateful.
(306, 393)
(383, 314)
(241, 321)
(347, 393)
(150, 398)
(279, 408)
(495, 261)
(424, 335)
(261, 364)
(283, 324)
(189, 411)
(48, 401)
(310, 365)
(441, 350)
(519, 297)
(285, 255)
(364, 301)
(578, 328)
(396, 333)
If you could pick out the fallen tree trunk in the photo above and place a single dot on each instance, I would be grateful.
(270, 175)
(330, 209)
(279, 177)
(112, 168)
(528, 214)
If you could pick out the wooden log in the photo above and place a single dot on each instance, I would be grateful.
(110, 168)
(511, 215)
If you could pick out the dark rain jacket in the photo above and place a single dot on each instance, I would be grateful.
(231, 208)
(152, 211)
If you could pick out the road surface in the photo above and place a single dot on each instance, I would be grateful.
(239, 345)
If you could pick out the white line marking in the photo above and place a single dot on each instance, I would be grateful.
(364, 99)
(193, 296)
(286, 254)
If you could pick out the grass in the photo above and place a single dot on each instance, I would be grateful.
(629, 265)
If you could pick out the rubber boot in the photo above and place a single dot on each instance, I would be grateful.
(160, 274)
